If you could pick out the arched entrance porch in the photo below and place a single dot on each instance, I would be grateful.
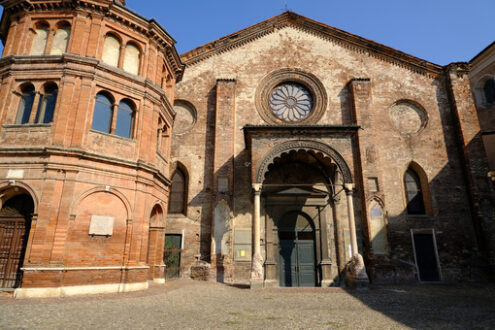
(303, 177)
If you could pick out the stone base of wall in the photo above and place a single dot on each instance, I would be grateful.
(67, 291)
(41, 282)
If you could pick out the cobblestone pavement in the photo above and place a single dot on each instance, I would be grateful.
(186, 304)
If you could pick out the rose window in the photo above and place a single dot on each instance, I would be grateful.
(291, 102)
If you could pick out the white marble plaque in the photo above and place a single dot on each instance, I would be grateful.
(223, 184)
(15, 174)
(101, 225)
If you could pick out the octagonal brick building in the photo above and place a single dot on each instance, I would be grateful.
(87, 89)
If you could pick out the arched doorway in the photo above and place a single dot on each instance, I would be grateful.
(155, 243)
(296, 250)
(15, 223)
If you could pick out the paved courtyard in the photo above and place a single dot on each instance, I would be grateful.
(186, 304)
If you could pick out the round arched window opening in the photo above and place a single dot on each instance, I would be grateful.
(185, 117)
(291, 102)
(291, 97)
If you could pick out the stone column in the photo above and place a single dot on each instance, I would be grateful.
(326, 263)
(34, 107)
(349, 187)
(257, 262)
(356, 270)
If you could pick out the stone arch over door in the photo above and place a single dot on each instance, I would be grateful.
(306, 145)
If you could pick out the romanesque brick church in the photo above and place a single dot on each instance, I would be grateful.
(290, 153)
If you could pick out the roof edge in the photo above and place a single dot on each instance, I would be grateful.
(486, 49)
(322, 30)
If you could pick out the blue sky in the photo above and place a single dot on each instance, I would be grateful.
(440, 31)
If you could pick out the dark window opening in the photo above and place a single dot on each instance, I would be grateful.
(102, 115)
(489, 90)
(124, 120)
(414, 194)
(25, 105)
(178, 192)
(46, 107)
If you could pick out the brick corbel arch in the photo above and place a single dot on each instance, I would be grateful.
(112, 191)
(305, 145)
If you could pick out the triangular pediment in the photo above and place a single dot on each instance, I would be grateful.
(288, 18)
(293, 191)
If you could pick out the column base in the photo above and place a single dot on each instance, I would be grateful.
(256, 284)
(327, 283)
(356, 276)
(159, 280)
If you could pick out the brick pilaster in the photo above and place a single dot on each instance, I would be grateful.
(223, 163)
(473, 156)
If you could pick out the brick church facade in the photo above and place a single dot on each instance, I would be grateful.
(290, 153)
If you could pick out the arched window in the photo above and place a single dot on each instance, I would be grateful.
(111, 50)
(102, 115)
(489, 91)
(25, 105)
(40, 39)
(125, 116)
(178, 193)
(46, 107)
(131, 59)
(414, 193)
(61, 40)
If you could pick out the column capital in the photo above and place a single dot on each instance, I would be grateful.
(349, 188)
(257, 188)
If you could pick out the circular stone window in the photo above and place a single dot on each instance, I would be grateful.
(185, 117)
(291, 102)
(291, 97)
(408, 118)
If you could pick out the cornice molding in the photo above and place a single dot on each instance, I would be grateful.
(118, 13)
(82, 154)
(340, 37)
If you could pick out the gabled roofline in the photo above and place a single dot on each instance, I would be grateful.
(486, 49)
(324, 31)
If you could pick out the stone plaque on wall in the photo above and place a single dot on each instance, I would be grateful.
(242, 245)
(15, 174)
(101, 225)
(373, 184)
(223, 184)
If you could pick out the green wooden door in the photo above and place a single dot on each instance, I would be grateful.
(171, 255)
(297, 251)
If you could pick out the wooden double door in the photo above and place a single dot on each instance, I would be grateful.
(297, 251)
(14, 233)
